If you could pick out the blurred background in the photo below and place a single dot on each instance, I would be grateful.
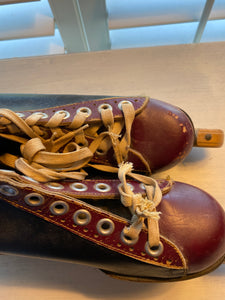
(46, 27)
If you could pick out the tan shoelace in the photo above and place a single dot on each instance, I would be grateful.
(142, 208)
(53, 152)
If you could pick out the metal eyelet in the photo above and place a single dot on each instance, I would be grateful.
(129, 184)
(127, 240)
(123, 102)
(21, 115)
(8, 190)
(67, 114)
(85, 110)
(34, 199)
(55, 185)
(59, 208)
(82, 217)
(78, 187)
(102, 187)
(44, 115)
(105, 227)
(100, 152)
(142, 186)
(104, 106)
(154, 251)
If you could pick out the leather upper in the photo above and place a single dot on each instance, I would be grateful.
(89, 214)
(161, 132)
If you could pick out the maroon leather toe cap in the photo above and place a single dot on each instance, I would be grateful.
(163, 134)
(196, 225)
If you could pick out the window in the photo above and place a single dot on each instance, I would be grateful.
(49, 27)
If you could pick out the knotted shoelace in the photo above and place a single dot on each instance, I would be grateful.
(142, 208)
(53, 152)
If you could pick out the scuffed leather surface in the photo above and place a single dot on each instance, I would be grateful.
(196, 222)
(163, 133)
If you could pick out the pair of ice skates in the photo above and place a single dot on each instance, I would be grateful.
(75, 184)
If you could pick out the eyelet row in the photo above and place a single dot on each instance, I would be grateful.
(151, 251)
(85, 110)
(81, 187)
(81, 217)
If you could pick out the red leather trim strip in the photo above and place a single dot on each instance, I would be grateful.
(96, 189)
(138, 103)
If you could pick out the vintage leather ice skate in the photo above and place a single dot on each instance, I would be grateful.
(61, 199)
(151, 134)
(147, 236)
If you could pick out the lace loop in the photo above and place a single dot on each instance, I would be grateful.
(142, 208)
(31, 148)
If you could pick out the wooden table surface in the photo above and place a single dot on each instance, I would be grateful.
(189, 76)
